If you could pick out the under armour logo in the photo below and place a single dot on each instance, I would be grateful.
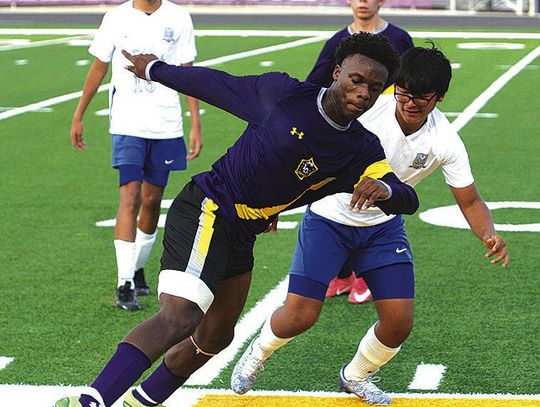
(296, 133)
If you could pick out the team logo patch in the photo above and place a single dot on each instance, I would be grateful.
(419, 161)
(297, 133)
(306, 168)
(168, 34)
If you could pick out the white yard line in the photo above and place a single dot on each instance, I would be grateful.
(45, 396)
(427, 377)
(492, 90)
(75, 95)
(35, 44)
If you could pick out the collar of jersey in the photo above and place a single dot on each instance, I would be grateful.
(325, 116)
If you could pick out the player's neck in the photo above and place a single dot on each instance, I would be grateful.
(330, 107)
(146, 6)
(371, 25)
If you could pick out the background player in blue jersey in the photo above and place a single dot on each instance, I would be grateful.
(302, 142)
(417, 139)
(366, 18)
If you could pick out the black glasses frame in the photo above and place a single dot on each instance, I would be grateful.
(418, 101)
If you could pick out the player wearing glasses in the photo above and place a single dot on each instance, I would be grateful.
(417, 138)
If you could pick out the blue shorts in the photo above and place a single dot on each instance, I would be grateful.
(381, 254)
(141, 159)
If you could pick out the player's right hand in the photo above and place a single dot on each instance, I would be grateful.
(77, 139)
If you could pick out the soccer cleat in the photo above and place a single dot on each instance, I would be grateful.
(360, 293)
(141, 288)
(365, 389)
(68, 402)
(131, 401)
(74, 401)
(126, 298)
(246, 370)
(339, 286)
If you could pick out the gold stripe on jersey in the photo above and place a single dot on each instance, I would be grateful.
(376, 170)
(245, 212)
(201, 243)
(389, 90)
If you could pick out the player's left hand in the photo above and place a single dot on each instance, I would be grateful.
(195, 144)
(139, 63)
(366, 193)
(498, 248)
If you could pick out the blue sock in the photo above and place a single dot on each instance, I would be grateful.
(122, 370)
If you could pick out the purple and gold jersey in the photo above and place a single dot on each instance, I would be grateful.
(291, 152)
(321, 74)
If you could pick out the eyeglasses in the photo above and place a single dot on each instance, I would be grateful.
(418, 101)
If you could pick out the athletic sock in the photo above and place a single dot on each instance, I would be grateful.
(125, 261)
(123, 369)
(370, 356)
(143, 246)
(267, 342)
(158, 387)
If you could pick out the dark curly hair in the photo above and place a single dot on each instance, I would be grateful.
(374, 46)
(424, 70)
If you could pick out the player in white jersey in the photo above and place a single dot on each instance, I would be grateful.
(417, 138)
(145, 124)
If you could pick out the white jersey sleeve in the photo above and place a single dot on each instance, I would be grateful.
(452, 154)
(102, 46)
(185, 49)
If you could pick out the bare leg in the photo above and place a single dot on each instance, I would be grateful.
(150, 208)
(296, 316)
(128, 208)
(216, 330)
(395, 320)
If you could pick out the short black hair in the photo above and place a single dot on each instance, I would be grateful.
(424, 70)
(374, 46)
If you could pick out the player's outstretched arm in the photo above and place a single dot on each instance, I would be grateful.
(95, 76)
(388, 193)
(478, 216)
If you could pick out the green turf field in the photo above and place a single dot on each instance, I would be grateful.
(58, 320)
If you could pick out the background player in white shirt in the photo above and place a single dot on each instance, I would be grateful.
(417, 138)
(145, 123)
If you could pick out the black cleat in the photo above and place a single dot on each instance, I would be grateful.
(141, 288)
(126, 298)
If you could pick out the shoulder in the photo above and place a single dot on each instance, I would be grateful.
(397, 30)
(447, 138)
(338, 36)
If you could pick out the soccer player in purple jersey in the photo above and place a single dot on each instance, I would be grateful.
(302, 142)
(366, 18)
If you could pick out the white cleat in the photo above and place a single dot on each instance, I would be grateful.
(365, 389)
(246, 370)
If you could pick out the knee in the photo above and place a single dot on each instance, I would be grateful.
(179, 325)
(398, 331)
(151, 202)
(301, 322)
(131, 202)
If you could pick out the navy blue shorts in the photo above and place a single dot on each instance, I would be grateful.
(141, 159)
(381, 254)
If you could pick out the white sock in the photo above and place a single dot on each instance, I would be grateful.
(370, 356)
(125, 261)
(143, 246)
(267, 342)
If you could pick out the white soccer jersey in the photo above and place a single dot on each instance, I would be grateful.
(137, 107)
(412, 158)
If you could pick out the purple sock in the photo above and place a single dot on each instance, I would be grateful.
(160, 385)
(122, 370)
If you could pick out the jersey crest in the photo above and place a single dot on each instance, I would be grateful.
(306, 168)
(168, 34)
(419, 161)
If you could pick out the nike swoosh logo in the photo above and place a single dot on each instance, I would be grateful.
(401, 250)
(169, 162)
(344, 291)
(361, 297)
